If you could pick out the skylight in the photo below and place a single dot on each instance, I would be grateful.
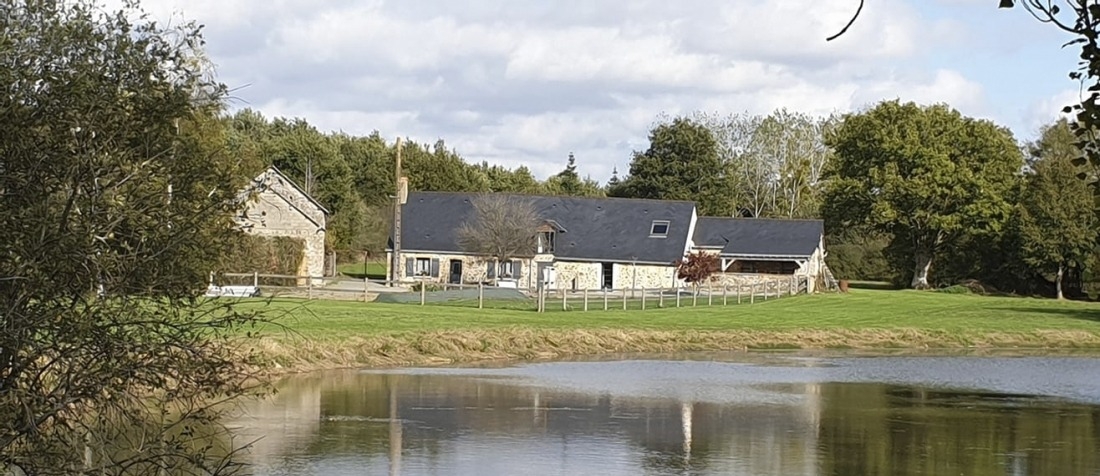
(659, 228)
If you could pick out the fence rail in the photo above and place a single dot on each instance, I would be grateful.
(541, 300)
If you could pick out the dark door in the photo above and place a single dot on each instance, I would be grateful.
(456, 272)
(608, 278)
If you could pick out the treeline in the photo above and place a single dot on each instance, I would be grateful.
(354, 176)
(920, 196)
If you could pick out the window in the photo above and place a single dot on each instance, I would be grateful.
(546, 242)
(659, 228)
(423, 267)
(507, 269)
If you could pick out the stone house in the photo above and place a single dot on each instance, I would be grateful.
(595, 243)
(276, 206)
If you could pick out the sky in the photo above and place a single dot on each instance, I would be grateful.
(525, 82)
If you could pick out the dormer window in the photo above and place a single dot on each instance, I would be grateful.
(547, 235)
(659, 229)
(546, 242)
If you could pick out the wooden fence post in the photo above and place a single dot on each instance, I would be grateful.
(624, 299)
(586, 299)
(677, 297)
(792, 287)
(605, 299)
(725, 292)
(423, 292)
(739, 286)
(694, 295)
(564, 300)
(480, 295)
(660, 298)
(365, 288)
(255, 279)
(710, 294)
(643, 298)
(752, 293)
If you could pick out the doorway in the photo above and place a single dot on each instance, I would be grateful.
(456, 272)
(607, 272)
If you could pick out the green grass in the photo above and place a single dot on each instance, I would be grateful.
(369, 270)
(860, 310)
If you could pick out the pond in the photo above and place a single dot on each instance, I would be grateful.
(701, 414)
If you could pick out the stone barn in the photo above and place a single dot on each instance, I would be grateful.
(277, 207)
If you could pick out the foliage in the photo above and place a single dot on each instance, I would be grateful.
(503, 227)
(1084, 23)
(924, 175)
(118, 192)
(265, 255)
(697, 267)
(681, 163)
(858, 256)
(568, 182)
(1055, 218)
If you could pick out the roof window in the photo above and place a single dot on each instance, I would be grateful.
(659, 229)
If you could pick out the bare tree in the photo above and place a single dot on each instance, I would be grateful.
(503, 227)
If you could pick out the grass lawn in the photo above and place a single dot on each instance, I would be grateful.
(860, 310)
(369, 270)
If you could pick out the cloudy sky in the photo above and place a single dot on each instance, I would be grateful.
(527, 82)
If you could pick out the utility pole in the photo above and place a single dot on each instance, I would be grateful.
(398, 200)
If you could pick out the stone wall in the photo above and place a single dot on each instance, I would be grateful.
(474, 268)
(586, 275)
(270, 214)
(630, 276)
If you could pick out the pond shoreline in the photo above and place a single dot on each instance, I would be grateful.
(300, 354)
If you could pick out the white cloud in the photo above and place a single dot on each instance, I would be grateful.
(1047, 110)
(525, 83)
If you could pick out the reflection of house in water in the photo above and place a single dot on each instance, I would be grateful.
(452, 421)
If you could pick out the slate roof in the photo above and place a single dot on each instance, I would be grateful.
(597, 229)
(759, 236)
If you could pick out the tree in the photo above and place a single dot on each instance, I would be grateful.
(697, 267)
(1055, 218)
(924, 175)
(1083, 22)
(118, 196)
(502, 180)
(503, 227)
(681, 163)
(613, 182)
(567, 182)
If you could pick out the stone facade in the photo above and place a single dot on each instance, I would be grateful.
(438, 268)
(279, 208)
(568, 274)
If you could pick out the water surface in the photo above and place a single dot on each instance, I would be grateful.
(703, 414)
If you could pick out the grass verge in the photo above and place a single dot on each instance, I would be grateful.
(334, 334)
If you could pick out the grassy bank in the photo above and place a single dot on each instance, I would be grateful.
(327, 334)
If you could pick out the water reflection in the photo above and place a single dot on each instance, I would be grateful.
(664, 417)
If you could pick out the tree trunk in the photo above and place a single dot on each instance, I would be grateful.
(922, 264)
(1058, 281)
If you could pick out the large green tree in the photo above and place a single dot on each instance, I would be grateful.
(117, 195)
(681, 163)
(926, 175)
(1055, 216)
